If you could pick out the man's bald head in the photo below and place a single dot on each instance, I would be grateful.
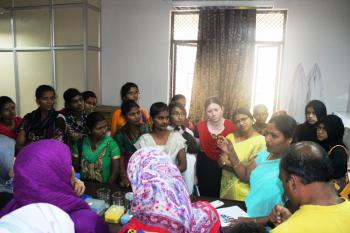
(309, 161)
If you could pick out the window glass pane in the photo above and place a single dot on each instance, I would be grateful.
(31, 2)
(5, 31)
(96, 3)
(185, 62)
(94, 72)
(265, 76)
(68, 26)
(7, 80)
(34, 69)
(269, 27)
(93, 28)
(66, 1)
(33, 27)
(185, 26)
(69, 72)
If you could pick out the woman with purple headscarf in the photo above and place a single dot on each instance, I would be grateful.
(43, 173)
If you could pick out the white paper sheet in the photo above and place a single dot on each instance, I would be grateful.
(227, 213)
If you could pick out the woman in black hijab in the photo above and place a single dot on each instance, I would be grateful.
(314, 111)
(330, 132)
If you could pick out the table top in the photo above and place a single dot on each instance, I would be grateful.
(92, 186)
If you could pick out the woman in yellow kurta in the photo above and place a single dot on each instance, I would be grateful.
(247, 144)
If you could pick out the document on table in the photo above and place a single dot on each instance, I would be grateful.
(228, 213)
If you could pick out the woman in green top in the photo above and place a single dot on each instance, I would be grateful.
(98, 153)
(128, 135)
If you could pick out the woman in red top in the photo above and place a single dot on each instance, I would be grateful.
(208, 171)
(9, 122)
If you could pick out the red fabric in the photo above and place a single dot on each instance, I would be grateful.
(208, 142)
(217, 226)
(8, 132)
(137, 225)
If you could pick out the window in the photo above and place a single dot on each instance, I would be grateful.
(270, 28)
(184, 49)
(48, 42)
(269, 37)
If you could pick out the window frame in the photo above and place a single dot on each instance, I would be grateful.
(173, 44)
(280, 44)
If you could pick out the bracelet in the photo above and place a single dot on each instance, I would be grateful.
(236, 165)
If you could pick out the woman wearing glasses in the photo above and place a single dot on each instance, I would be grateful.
(262, 173)
(247, 144)
(177, 123)
(330, 132)
(129, 91)
(170, 142)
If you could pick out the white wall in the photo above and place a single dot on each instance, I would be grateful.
(135, 47)
(318, 31)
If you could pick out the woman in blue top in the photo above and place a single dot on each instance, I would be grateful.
(262, 173)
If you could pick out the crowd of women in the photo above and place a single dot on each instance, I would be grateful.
(235, 159)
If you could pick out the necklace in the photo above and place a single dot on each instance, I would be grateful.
(216, 128)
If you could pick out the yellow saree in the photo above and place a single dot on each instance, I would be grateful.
(231, 187)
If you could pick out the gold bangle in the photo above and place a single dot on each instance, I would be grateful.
(235, 166)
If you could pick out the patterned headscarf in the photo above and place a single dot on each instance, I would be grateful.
(42, 173)
(161, 198)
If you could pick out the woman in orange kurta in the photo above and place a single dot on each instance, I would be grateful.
(129, 91)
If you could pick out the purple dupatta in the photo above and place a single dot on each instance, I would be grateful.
(43, 174)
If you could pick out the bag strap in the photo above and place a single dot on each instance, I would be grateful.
(346, 150)
(336, 185)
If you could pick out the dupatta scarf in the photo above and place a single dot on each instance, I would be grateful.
(43, 174)
(36, 128)
(7, 131)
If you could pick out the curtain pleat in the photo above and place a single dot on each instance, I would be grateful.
(224, 61)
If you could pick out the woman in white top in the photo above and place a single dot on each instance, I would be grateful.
(177, 123)
(171, 142)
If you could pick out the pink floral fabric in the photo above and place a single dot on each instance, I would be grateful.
(161, 198)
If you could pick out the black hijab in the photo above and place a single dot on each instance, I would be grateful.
(306, 131)
(335, 130)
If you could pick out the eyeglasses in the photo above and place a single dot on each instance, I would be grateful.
(178, 114)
